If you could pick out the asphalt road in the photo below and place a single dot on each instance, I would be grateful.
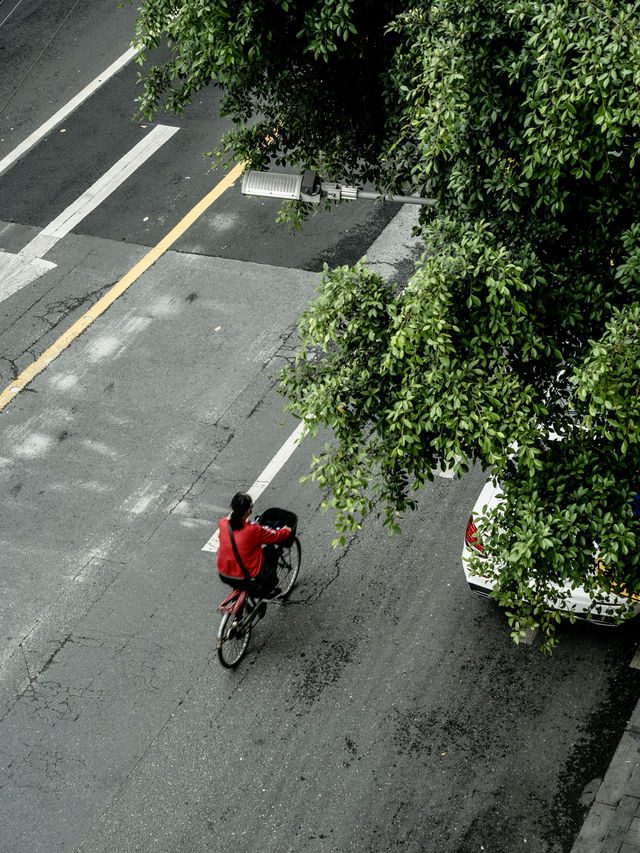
(384, 707)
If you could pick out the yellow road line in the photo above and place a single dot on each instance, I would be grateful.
(118, 289)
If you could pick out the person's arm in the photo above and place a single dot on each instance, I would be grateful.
(269, 536)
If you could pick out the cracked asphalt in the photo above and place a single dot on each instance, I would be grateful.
(383, 707)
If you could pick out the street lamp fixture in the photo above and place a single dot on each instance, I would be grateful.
(307, 186)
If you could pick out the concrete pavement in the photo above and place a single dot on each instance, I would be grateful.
(613, 822)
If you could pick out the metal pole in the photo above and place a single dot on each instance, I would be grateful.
(405, 199)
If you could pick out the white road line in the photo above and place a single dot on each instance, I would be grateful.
(266, 477)
(448, 473)
(110, 181)
(66, 110)
(16, 271)
(4, 21)
(635, 663)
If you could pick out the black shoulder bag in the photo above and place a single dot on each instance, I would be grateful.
(246, 574)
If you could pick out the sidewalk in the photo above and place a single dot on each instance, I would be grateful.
(613, 822)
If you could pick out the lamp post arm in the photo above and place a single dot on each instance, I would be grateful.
(307, 187)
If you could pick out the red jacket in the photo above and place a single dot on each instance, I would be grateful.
(249, 540)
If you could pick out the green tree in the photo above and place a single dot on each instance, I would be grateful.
(522, 320)
(300, 80)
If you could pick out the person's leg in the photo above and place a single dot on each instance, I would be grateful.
(268, 577)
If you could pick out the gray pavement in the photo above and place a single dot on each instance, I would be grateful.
(158, 712)
(613, 822)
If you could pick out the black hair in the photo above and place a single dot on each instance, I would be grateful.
(240, 503)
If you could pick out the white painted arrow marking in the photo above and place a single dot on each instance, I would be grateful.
(16, 271)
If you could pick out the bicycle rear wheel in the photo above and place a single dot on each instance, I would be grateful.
(288, 567)
(233, 638)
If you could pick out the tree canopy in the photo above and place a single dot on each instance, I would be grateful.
(302, 81)
(522, 320)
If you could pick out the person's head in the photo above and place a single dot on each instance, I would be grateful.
(241, 506)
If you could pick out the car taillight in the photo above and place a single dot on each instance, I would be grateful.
(471, 537)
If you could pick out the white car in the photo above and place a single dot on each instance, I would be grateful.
(579, 601)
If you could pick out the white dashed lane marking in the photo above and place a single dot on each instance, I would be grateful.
(66, 110)
(265, 478)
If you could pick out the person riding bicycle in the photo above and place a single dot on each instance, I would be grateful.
(249, 537)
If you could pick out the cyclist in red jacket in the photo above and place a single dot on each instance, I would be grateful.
(249, 538)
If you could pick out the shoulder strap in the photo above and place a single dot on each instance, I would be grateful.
(246, 574)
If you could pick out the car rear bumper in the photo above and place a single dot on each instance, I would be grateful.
(479, 590)
(581, 606)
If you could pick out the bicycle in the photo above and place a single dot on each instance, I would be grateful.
(241, 609)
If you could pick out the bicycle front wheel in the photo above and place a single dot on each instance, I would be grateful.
(288, 567)
(233, 638)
